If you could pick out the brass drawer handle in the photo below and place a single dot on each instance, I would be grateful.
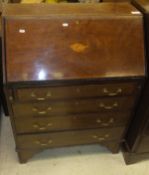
(118, 91)
(99, 138)
(38, 126)
(111, 120)
(44, 143)
(34, 109)
(114, 105)
(48, 95)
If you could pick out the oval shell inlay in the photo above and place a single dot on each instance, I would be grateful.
(78, 47)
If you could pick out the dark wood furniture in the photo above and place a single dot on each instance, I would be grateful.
(0, 70)
(136, 147)
(0, 117)
(71, 73)
(2, 95)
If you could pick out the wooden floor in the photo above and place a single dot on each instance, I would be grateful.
(80, 160)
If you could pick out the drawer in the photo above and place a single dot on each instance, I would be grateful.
(47, 93)
(78, 121)
(73, 106)
(56, 139)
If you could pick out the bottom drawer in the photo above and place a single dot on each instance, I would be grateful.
(57, 139)
(144, 145)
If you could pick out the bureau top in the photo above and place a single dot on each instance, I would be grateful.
(75, 41)
(69, 9)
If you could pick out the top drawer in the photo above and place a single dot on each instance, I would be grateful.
(66, 92)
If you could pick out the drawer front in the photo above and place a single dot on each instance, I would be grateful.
(73, 106)
(47, 93)
(94, 120)
(69, 138)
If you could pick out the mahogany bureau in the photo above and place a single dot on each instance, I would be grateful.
(137, 139)
(71, 74)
